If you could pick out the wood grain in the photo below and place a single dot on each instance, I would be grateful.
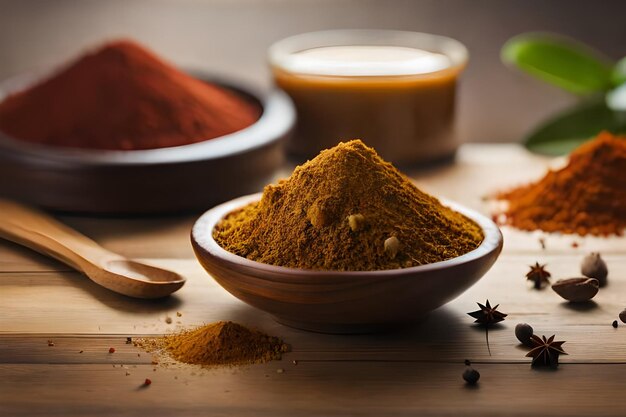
(313, 388)
(410, 371)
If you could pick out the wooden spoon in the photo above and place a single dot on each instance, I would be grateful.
(36, 230)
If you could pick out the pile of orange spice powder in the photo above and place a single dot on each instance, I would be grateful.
(586, 197)
(121, 96)
(220, 343)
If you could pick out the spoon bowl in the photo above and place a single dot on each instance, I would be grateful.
(338, 301)
(136, 279)
(34, 229)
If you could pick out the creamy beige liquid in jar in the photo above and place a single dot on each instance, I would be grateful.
(394, 90)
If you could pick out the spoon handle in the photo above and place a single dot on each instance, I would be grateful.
(34, 229)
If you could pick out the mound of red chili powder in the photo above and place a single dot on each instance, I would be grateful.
(122, 96)
(586, 197)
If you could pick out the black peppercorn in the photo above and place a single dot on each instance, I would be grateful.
(471, 376)
(614, 324)
(467, 362)
(622, 316)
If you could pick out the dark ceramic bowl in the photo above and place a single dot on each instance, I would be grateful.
(166, 180)
(342, 302)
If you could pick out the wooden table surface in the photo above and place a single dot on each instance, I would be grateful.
(416, 371)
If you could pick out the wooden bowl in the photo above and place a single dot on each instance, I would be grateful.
(342, 302)
(176, 179)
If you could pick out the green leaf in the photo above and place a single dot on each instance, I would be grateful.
(619, 72)
(565, 63)
(563, 133)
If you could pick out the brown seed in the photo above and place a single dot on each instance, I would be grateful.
(622, 316)
(524, 332)
(356, 222)
(392, 246)
(576, 290)
(168, 320)
(147, 382)
(111, 350)
(593, 266)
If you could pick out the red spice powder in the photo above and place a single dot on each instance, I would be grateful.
(586, 197)
(122, 96)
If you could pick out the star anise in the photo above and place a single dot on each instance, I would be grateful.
(545, 352)
(538, 275)
(487, 316)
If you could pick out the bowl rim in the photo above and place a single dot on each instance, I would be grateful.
(282, 54)
(202, 235)
(277, 118)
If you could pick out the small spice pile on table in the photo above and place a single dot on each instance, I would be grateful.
(220, 343)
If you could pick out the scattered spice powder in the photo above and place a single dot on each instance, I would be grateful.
(221, 343)
(347, 210)
(586, 197)
(122, 96)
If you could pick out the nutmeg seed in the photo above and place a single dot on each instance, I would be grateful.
(577, 290)
(523, 332)
(593, 266)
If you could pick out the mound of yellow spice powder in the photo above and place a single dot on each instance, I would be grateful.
(347, 210)
(221, 343)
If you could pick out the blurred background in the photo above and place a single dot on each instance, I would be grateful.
(232, 37)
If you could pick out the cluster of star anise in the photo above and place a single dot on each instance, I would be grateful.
(545, 352)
